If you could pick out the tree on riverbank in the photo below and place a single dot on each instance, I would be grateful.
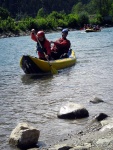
(82, 12)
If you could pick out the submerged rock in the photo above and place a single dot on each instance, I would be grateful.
(101, 117)
(96, 100)
(24, 136)
(61, 147)
(72, 111)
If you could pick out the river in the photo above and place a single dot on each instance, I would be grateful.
(37, 100)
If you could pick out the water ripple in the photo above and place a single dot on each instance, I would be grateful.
(37, 99)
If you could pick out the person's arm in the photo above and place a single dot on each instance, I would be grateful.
(64, 43)
(33, 35)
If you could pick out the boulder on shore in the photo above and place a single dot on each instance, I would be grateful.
(24, 136)
(72, 111)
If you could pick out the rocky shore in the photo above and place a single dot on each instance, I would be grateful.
(22, 33)
(26, 33)
(94, 137)
(91, 138)
(10, 34)
(97, 135)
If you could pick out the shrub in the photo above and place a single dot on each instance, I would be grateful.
(83, 19)
(4, 13)
(71, 20)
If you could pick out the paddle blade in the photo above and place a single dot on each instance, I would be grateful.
(53, 70)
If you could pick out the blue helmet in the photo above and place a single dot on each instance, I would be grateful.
(65, 31)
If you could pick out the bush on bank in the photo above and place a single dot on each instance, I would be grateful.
(47, 22)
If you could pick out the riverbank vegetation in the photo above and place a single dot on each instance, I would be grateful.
(49, 15)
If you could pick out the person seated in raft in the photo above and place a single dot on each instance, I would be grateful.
(94, 27)
(91, 26)
(85, 26)
(97, 27)
(61, 46)
(43, 45)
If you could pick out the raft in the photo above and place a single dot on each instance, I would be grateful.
(34, 65)
(92, 30)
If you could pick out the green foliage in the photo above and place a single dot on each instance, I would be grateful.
(98, 19)
(21, 25)
(72, 21)
(101, 6)
(8, 25)
(42, 24)
(79, 7)
(4, 14)
(41, 13)
(32, 23)
(62, 23)
(82, 12)
(83, 19)
(51, 23)
(57, 19)
(56, 15)
(111, 11)
(28, 23)
(92, 7)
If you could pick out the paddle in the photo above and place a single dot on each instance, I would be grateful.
(53, 70)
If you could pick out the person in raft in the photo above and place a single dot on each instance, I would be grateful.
(61, 46)
(43, 45)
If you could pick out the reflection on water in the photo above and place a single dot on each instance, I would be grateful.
(37, 99)
(30, 79)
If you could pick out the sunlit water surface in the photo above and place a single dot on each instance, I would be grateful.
(37, 100)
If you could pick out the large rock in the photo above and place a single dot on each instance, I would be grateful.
(24, 135)
(72, 111)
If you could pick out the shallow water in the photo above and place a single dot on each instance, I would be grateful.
(36, 100)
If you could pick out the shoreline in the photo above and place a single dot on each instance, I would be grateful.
(10, 34)
(27, 33)
(90, 138)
